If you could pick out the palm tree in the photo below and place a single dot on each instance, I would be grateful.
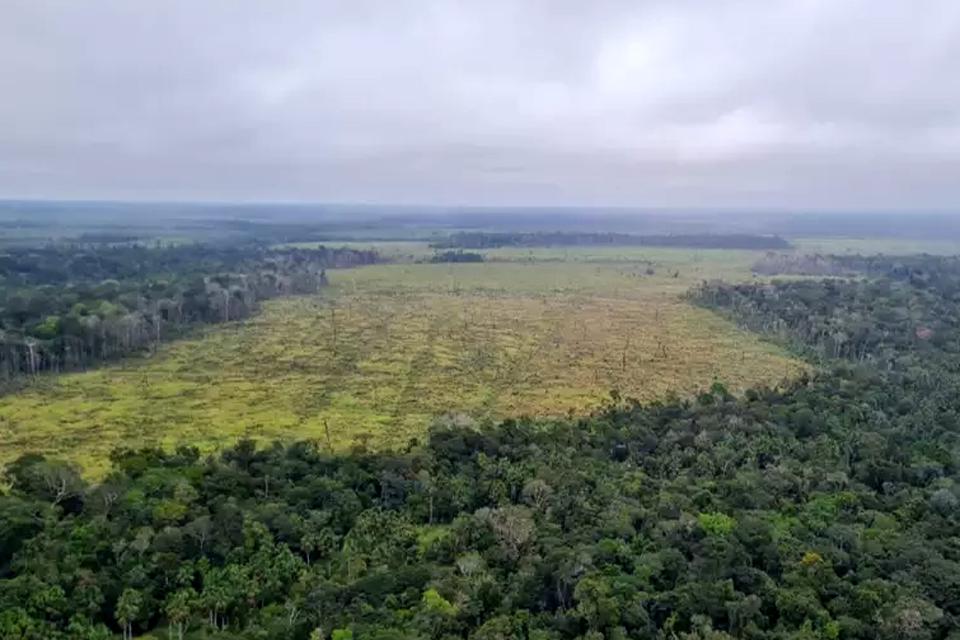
(128, 608)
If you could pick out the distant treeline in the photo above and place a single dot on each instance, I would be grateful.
(923, 271)
(801, 265)
(58, 264)
(456, 256)
(920, 269)
(484, 240)
(107, 238)
(68, 307)
(909, 306)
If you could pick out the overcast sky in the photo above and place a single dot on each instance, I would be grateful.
(803, 104)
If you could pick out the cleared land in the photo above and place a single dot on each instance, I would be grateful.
(389, 348)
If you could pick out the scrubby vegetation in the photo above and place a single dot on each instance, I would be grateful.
(827, 509)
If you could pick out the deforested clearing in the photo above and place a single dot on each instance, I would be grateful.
(388, 349)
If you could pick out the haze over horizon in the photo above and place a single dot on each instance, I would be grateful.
(800, 105)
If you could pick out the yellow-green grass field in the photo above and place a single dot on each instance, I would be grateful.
(388, 348)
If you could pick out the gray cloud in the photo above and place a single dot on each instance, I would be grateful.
(794, 104)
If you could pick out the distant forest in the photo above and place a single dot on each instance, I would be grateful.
(66, 307)
(484, 240)
(456, 256)
(919, 268)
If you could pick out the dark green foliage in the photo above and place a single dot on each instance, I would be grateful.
(901, 320)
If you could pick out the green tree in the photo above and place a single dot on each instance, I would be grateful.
(128, 608)
(179, 609)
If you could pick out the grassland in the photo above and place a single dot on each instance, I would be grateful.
(389, 348)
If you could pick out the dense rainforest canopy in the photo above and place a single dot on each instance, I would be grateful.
(826, 509)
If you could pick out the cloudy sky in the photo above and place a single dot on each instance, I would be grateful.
(793, 104)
